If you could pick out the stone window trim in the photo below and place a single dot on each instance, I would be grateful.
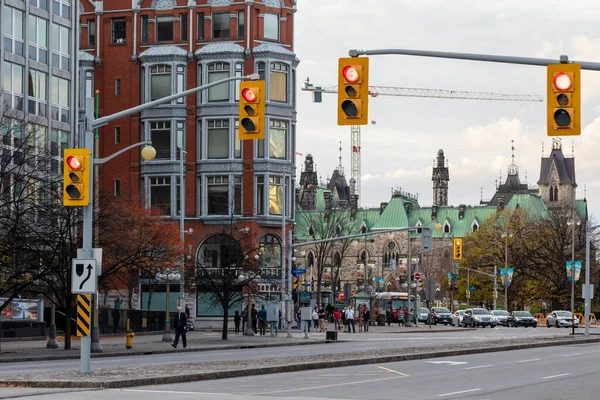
(236, 68)
(178, 79)
(233, 181)
(268, 64)
(160, 124)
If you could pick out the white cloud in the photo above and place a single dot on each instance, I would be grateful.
(476, 135)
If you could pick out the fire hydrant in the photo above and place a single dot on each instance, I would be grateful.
(128, 337)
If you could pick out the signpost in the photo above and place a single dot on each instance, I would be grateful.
(83, 276)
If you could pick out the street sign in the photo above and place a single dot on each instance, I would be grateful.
(83, 275)
(587, 291)
(417, 276)
(298, 271)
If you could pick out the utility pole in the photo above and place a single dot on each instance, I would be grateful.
(409, 279)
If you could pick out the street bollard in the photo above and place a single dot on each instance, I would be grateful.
(128, 336)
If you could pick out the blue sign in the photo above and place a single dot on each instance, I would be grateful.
(298, 272)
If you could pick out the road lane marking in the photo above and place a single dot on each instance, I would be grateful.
(391, 370)
(328, 386)
(529, 360)
(166, 391)
(556, 376)
(448, 362)
(571, 355)
(480, 366)
(461, 392)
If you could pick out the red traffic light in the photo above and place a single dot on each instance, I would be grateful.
(249, 95)
(74, 163)
(562, 81)
(350, 74)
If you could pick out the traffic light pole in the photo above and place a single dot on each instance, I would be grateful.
(541, 62)
(91, 124)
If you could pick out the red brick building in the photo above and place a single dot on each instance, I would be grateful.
(141, 50)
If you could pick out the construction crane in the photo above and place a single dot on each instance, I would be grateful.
(374, 91)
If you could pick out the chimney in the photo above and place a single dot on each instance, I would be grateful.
(353, 205)
(434, 210)
(327, 197)
(461, 211)
(382, 207)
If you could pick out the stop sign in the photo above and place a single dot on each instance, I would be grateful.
(417, 276)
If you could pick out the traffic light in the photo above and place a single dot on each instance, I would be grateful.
(76, 174)
(252, 110)
(564, 99)
(353, 91)
(426, 239)
(458, 249)
(295, 283)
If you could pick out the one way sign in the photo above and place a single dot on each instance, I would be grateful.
(83, 276)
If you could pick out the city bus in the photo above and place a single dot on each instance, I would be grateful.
(396, 300)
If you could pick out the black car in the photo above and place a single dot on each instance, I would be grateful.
(440, 315)
(521, 318)
(478, 317)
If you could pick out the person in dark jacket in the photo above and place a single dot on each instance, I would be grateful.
(236, 320)
(367, 318)
(180, 328)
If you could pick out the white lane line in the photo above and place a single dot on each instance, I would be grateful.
(480, 366)
(556, 376)
(572, 355)
(530, 360)
(461, 392)
(167, 392)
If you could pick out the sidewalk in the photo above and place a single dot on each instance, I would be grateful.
(114, 346)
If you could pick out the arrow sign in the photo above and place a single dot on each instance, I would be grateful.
(83, 275)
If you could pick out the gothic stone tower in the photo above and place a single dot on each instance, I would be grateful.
(557, 183)
(440, 178)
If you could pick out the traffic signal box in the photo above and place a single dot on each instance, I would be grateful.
(252, 110)
(295, 283)
(564, 99)
(458, 254)
(353, 91)
(76, 176)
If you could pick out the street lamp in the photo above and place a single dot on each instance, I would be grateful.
(572, 222)
(248, 331)
(167, 276)
(505, 274)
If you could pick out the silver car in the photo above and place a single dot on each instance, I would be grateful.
(560, 318)
(500, 316)
(457, 318)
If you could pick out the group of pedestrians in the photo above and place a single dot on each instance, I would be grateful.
(345, 318)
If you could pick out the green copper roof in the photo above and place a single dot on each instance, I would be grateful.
(393, 216)
(532, 203)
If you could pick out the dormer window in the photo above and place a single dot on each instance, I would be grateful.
(474, 226)
(446, 227)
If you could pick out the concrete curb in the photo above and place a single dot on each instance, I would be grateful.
(287, 368)
(166, 351)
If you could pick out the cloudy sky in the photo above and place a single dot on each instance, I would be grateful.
(398, 150)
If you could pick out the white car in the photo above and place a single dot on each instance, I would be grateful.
(500, 317)
(560, 318)
(457, 318)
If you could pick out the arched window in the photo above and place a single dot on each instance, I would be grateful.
(553, 191)
(446, 227)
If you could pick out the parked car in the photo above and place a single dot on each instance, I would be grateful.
(560, 318)
(499, 316)
(521, 318)
(440, 315)
(478, 317)
(423, 314)
(457, 318)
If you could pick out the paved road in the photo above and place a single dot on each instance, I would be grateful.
(547, 373)
(357, 342)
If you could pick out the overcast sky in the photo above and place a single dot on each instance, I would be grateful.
(398, 150)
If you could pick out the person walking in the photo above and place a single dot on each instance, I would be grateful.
(337, 319)
(359, 317)
(367, 318)
(180, 328)
(315, 318)
(262, 320)
(350, 318)
(254, 318)
(236, 320)
(244, 319)
(299, 318)
(321, 316)
(344, 320)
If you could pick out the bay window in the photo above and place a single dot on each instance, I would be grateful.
(218, 139)
(278, 139)
(160, 134)
(276, 195)
(216, 72)
(160, 193)
(217, 195)
(160, 81)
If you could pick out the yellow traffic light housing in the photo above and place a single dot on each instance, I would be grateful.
(458, 254)
(564, 99)
(76, 173)
(252, 110)
(353, 91)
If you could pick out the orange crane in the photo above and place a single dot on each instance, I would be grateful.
(374, 91)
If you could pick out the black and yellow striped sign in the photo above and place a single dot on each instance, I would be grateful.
(84, 308)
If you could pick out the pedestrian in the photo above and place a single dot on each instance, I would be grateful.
(359, 318)
(389, 315)
(367, 318)
(299, 318)
(254, 318)
(315, 318)
(337, 319)
(180, 328)
(236, 320)
(187, 312)
(262, 320)
(321, 316)
(244, 319)
(350, 318)
(344, 320)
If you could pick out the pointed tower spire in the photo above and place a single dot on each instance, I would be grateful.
(340, 168)
(512, 168)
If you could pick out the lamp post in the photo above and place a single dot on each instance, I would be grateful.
(249, 331)
(505, 274)
(572, 222)
(182, 231)
(167, 276)
(588, 292)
